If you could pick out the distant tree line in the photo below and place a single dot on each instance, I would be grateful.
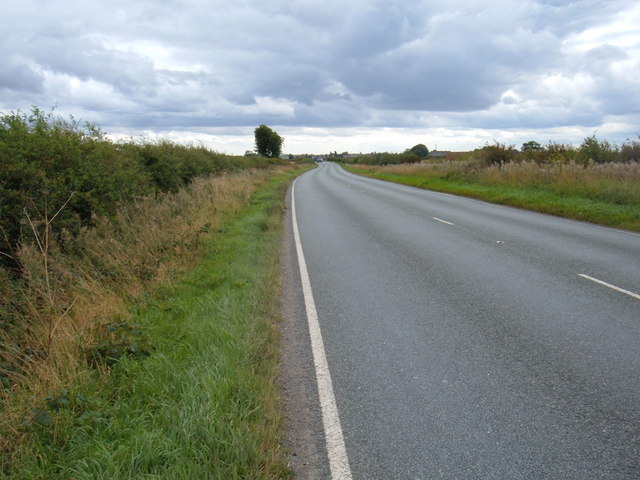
(592, 150)
(414, 154)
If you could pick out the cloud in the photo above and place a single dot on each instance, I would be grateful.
(193, 65)
(19, 77)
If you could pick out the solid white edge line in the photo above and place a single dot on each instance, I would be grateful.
(441, 221)
(613, 287)
(336, 450)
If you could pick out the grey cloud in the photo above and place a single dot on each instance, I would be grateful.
(19, 77)
(600, 58)
(459, 63)
(566, 17)
(618, 96)
(86, 58)
(194, 64)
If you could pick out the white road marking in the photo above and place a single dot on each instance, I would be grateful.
(613, 287)
(337, 452)
(442, 221)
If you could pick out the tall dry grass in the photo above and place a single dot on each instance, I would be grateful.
(74, 285)
(611, 182)
(429, 169)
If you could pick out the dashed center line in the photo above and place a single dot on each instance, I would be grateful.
(612, 287)
(442, 221)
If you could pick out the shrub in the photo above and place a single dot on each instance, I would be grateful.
(47, 163)
(55, 167)
(116, 340)
(630, 151)
(559, 153)
(598, 151)
(497, 154)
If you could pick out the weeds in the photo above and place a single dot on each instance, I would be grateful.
(81, 407)
(116, 340)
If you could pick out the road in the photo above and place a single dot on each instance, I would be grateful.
(461, 339)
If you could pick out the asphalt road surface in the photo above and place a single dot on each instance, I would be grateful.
(467, 340)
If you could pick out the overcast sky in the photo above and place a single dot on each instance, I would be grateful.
(345, 75)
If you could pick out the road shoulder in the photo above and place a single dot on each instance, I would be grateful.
(304, 439)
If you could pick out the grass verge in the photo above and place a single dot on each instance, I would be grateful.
(204, 403)
(537, 198)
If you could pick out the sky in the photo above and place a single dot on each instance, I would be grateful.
(329, 75)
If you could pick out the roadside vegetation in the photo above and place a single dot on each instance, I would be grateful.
(139, 295)
(597, 182)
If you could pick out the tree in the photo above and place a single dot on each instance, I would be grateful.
(599, 151)
(531, 146)
(268, 142)
(420, 150)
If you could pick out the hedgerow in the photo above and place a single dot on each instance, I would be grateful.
(50, 166)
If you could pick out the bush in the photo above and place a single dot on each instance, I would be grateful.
(630, 151)
(559, 153)
(598, 151)
(53, 167)
(116, 340)
(48, 163)
(497, 154)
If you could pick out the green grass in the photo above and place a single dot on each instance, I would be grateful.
(204, 404)
(540, 199)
